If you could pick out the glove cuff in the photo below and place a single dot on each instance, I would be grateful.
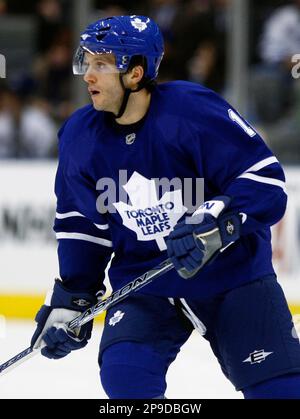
(72, 300)
(214, 206)
(229, 227)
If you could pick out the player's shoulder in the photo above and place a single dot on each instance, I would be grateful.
(79, 132)
(181, 86)
(190, 99)
(79, 122)
(83, 113)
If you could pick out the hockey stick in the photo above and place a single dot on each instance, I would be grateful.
(93, 311)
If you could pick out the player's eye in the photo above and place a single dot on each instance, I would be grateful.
(100, 66)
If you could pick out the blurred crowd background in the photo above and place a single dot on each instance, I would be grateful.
(38, 38)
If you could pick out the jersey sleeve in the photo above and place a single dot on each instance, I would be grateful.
(84, 242)
(238, 163)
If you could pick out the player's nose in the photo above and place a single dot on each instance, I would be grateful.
(89, 76)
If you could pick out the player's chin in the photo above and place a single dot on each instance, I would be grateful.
(102, 106)
(98, 106)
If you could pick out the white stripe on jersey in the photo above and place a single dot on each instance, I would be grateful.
(102, 226)
(258, 166)
(261, 164)
(84, 237)
(263, 179)
(61, 216)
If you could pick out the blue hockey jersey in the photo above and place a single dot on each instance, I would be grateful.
(108, 201)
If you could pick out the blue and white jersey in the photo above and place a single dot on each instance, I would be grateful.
(108, 200)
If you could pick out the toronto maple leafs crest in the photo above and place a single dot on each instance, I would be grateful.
(138, 24)
(118, 316)
(149, 217)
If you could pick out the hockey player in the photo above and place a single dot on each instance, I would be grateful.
(223, 283)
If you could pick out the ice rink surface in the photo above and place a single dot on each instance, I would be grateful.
(194, 374)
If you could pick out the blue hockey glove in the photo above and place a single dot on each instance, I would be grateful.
(197, 239)
(60, 308)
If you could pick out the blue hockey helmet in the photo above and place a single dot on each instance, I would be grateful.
(125, 37)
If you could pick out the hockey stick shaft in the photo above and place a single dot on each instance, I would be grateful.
(93, 311)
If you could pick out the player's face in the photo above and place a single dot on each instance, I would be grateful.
(103, 82)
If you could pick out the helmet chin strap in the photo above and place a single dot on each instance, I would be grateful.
(125, 96)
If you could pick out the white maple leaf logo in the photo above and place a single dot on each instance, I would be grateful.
(138, 24)
(118, 316)
(149, 217)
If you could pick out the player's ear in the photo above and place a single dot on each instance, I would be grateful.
(135, 75)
